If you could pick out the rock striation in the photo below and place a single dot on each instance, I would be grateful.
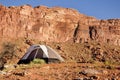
(56, 24)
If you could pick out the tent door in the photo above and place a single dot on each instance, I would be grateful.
(37, 53)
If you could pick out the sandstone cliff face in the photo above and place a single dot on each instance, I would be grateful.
(56, 24)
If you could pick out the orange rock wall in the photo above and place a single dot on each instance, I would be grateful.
(56, 24)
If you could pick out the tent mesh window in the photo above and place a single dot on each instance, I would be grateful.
(32, 54)
(39, 53)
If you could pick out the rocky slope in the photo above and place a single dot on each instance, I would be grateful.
(55, 24)
(83, 61)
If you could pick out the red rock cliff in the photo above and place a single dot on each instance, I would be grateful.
(56, 24)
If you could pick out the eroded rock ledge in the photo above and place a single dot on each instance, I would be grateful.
(56, 24)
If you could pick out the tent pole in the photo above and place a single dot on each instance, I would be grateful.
(36, 53)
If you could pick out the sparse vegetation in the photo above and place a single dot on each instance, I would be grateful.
(7, 53)
(38, 61)
(109, 65)
(9, 50)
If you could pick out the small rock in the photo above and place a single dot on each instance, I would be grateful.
(83, 73)
(10, 66)
(114, 78)
(58, 47)
(94, 77)
(2, 72)
(19, 73)
(87, 79)
(89, 71)
(47, 67)
(105, 72)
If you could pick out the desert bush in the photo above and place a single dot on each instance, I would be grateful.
(109, 64)
(38, 61)
(9, 50)
(7, 53)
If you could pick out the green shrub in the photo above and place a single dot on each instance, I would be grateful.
(109, 64)
(38, 61)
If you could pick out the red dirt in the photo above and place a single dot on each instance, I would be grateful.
(63, 71)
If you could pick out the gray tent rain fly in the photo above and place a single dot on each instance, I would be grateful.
(41, 52)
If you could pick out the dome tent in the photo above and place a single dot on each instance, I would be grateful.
(41, 52)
